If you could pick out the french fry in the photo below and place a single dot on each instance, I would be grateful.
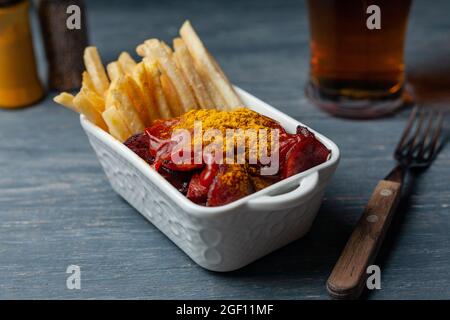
(114, 71)
(167, 48)
(206, 65)
(87, 108)
(87, 87)
(87, 81)
(158, 93)
(111, 102)
(219, 101)
(184, 62)
(126, 62)
(142, 50)
(66, 99)
(121, 99)
(96, 101)
(116, 125)
(145, 51)
(215, 95)
(143, 79)
(168, 67)
(166, 83)
(137, 99)
(109, 99)
(171, 95)
(96, 70)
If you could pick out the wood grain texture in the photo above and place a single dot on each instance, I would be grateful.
(348, 278)
(57, 208)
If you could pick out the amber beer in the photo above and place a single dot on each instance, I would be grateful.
(354, 67)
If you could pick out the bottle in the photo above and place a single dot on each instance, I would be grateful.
(64, 44)
(19, 82)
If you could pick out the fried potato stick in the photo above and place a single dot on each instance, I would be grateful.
(137, 99)
(185, 63)
(143, 79)
(88, 109)
(114, 71)
(126, 62)
(116, 125)
(154, 81)
(171, 96)
(168, 67)
(206, 64)
(96, 70)
(66, 99)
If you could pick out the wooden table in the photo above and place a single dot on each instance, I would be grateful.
(57, 208)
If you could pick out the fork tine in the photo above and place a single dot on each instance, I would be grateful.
(413, 142)
(427, 136)
(406, 131)
(435, 139)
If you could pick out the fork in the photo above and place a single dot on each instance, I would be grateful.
(416, 149)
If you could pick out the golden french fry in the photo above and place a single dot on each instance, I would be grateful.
(126, 62)
(88, 109)
(142, 50)
(171, 95)
(168, 67)
(206, 65)
(184, 62)
(145, 51)
(114, 70)
(116, 125)
(109, 99)
(143, 79)
(137, 99)
(96, 70)
(167, 83)
(154, 81)
(96, 100)
(219, 101)
(123, 102)
(215, 95)
(167, 48)
(87, 81)
(66, 99)
(113, 103)
(88, 89)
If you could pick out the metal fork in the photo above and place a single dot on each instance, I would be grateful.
(416, 149)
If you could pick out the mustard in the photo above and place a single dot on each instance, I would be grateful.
(19, 82)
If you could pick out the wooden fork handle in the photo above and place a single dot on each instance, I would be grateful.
(348, 277)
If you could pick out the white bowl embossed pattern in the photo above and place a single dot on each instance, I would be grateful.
(219, 238)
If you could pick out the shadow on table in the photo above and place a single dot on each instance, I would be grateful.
(307, 261)
(310, 260)
(304, 262)
(431, 80)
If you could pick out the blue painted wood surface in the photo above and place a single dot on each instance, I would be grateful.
(57, 208)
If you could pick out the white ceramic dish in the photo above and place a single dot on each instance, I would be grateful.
(219, 238)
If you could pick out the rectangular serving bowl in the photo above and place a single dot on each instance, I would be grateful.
(221, 238)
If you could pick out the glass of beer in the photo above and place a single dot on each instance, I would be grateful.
(357, 67)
